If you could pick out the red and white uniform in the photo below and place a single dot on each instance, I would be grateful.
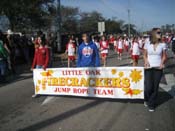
(104, 45)
(111, 40)
(115, 45)
(126, 45)
(70, 47)
(135, 51)
(120, 46)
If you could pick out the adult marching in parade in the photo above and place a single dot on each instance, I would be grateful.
(154, 60)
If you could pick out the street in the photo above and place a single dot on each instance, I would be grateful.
(20, 112)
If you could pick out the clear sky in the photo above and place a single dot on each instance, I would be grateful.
(145, 14)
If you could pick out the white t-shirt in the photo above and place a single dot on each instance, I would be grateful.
(154, 56)
(115, 43)
(71, 50)
(135, 49)
(126, 43)
(104, 44)
(120, 44)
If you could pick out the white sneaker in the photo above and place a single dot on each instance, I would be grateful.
(145, 104)
(151, 109)
(34, 95)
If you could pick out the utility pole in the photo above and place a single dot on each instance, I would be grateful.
(58, 25)
(129, 30)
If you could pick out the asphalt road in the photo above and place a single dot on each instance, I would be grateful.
(20, 112)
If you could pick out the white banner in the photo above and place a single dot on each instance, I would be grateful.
(105, 82)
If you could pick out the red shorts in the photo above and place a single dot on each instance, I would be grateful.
(104, 55)
(126, 48)
(135, 57)
(120, 50)
(71, 57)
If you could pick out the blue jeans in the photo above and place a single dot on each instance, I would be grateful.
(39, 67)
(2, 67)
(2, 70)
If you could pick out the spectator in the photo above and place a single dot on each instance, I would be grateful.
(9, 41)
(173, 45)
(3, 61)
(96, 41)
(25, 47)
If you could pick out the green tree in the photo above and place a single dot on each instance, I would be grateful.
(69, 19)
(113, 26)
(133, 31)
(89, 21)
(26, 13)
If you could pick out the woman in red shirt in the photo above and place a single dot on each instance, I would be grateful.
(41, 57)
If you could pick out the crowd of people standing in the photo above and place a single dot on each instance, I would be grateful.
(19, 48)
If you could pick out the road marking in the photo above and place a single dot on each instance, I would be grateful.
(48, 100)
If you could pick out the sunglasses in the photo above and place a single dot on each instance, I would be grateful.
(159, 33)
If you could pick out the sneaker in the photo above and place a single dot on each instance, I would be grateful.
(145, 104)
(151, 109)
(34, 95)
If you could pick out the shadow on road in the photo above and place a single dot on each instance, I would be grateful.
(163, 97)
(60, 117)
(15, 78)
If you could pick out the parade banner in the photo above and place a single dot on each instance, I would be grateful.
(105, 82)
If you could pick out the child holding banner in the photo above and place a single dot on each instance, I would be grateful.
(88, 55)
(154, 59)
